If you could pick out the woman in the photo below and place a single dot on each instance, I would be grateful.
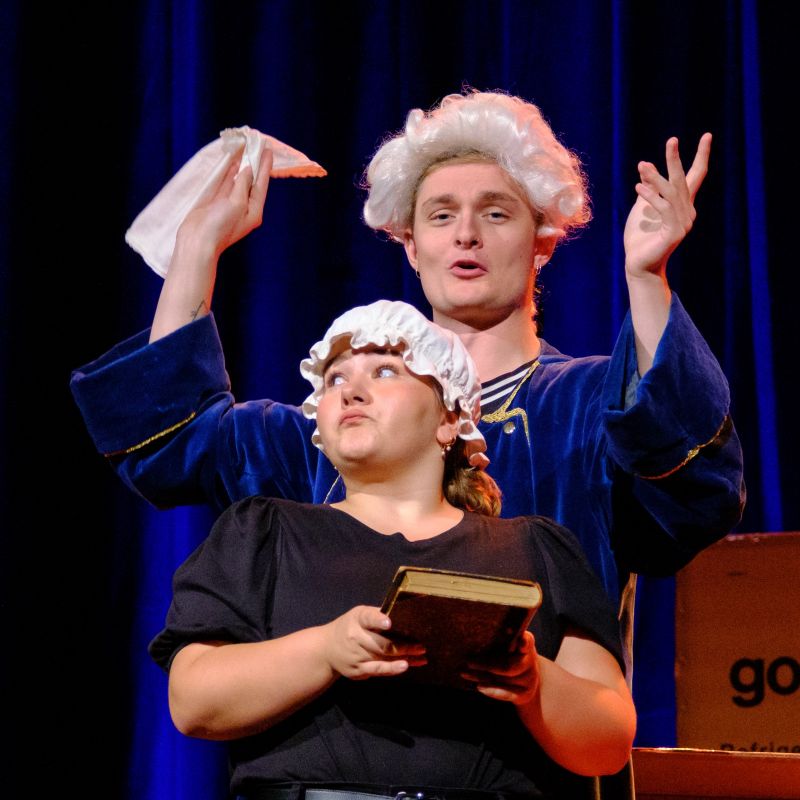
(275, 640)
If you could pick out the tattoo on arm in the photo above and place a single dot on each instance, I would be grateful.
(199, 308)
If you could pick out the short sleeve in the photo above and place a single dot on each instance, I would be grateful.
(223, 590)
(577, 596)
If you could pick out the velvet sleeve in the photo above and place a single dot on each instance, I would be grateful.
(675, 449)
(164, 416)
(223, 591)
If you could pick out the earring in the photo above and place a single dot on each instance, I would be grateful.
(447, 446)
(418, 275)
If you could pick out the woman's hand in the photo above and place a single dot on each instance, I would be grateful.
(226, 690)
(357, 649)
(514, 679)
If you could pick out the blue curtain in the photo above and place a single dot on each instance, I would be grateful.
(102, 105)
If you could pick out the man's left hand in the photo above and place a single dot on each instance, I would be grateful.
(664, 210)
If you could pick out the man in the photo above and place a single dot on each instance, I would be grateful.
(635, 453)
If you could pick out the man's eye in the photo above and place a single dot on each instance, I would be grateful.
(441, 216)
(497, 215)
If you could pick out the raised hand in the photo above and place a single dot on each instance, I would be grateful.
(357, 649)
(233, 209)
(664, 209)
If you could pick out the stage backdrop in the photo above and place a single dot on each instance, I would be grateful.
(102, 104)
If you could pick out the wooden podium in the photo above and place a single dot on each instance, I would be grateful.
(737, 640)
(737, 676)
(693, 774)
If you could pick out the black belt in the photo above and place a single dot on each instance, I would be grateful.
(351, 792)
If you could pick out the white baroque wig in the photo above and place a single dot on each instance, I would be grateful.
(499, 127)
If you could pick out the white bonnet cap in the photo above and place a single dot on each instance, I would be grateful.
(429, 350)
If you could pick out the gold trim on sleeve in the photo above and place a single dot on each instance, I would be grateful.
(153, 438)
(502, 414)
(689, 456)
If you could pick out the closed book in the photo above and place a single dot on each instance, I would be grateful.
(457, 616)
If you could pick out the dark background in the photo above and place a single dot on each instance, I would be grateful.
(102, 105)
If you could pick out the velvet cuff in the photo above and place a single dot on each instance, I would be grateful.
(121, 414)
(681, 403)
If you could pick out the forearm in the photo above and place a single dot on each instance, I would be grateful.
(585, 726)
(188, 287)
(228, 691)
(660, 219)
(650, 296)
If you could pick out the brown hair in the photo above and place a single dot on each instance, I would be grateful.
(467, 487)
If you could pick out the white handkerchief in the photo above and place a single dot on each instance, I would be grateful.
(153, 232)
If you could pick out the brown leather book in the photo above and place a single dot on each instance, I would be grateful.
(457, 615)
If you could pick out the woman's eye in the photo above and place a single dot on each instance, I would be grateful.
(386, 371)
(334, 379)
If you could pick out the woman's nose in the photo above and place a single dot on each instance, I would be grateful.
(354, 391)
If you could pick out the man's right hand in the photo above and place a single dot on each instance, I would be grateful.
(233, 209)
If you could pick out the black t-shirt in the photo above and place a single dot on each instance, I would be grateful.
(271, 567)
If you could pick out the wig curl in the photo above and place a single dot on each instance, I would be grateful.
(491, 125)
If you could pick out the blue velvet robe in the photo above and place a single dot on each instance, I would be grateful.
(644, 484)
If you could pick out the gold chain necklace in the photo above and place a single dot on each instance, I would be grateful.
(503, 414)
